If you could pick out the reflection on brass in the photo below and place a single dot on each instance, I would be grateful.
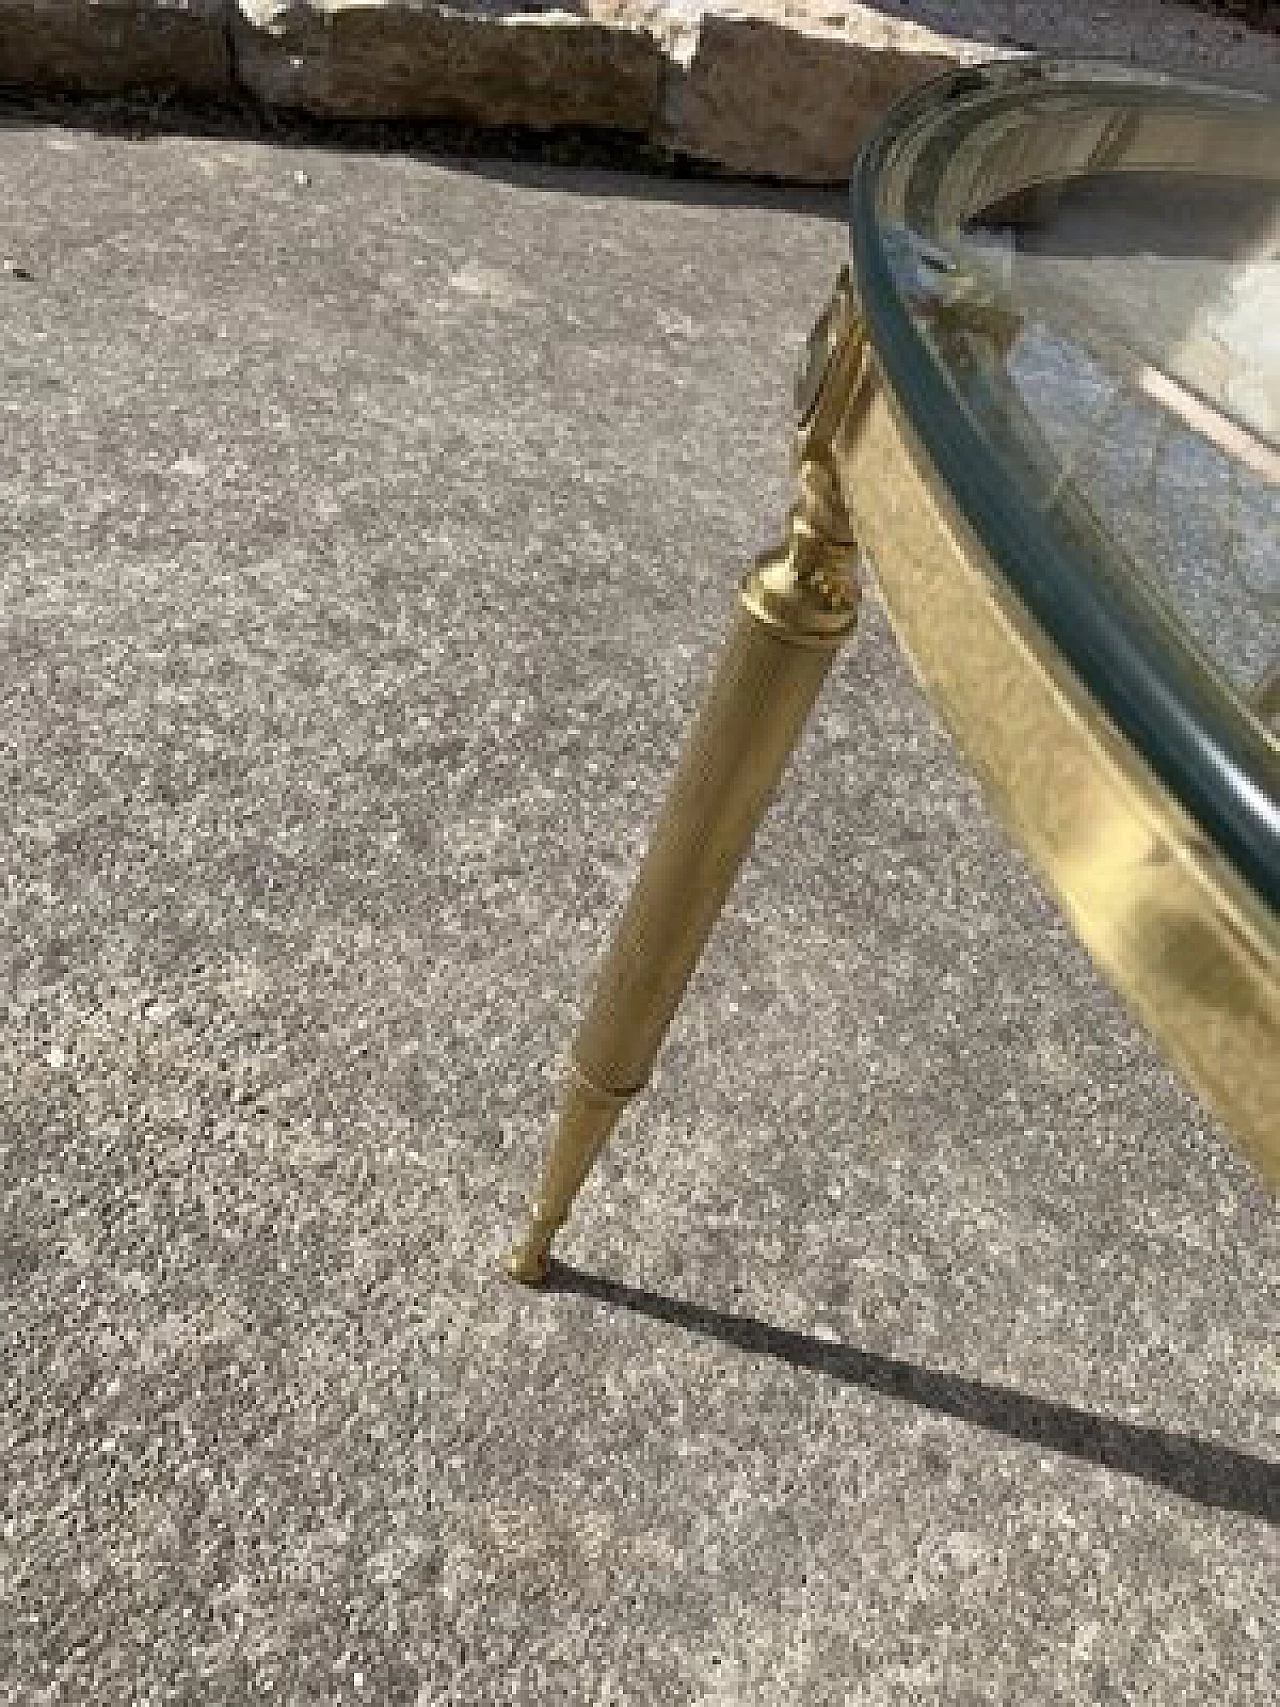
(797, 605)
(1186, 941)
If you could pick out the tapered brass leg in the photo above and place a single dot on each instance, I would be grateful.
(798, 604)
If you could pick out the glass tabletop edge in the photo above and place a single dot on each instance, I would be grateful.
(1191, 730)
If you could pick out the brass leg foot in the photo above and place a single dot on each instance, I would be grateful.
(587, 1116)
(529, 1261)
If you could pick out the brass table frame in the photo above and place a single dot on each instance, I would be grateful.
(1186, 940)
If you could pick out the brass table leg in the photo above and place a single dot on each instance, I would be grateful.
(797, 605)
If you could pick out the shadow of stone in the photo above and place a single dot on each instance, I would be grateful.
(589, 162)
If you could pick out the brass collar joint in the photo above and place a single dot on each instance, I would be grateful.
(807, 589)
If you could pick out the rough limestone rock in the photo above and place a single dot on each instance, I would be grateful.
(409, 59)
(782, 89)
(760, 98)
(114, 47)
(788, 88)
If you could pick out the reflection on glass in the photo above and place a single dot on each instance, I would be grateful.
(1147, 353)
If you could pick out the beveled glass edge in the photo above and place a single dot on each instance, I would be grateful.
(1197, 735)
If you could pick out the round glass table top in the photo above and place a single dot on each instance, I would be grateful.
(1070, 276)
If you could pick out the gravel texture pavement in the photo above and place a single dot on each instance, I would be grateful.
(368, 524)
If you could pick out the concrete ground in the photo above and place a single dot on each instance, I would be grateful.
(367, 526)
